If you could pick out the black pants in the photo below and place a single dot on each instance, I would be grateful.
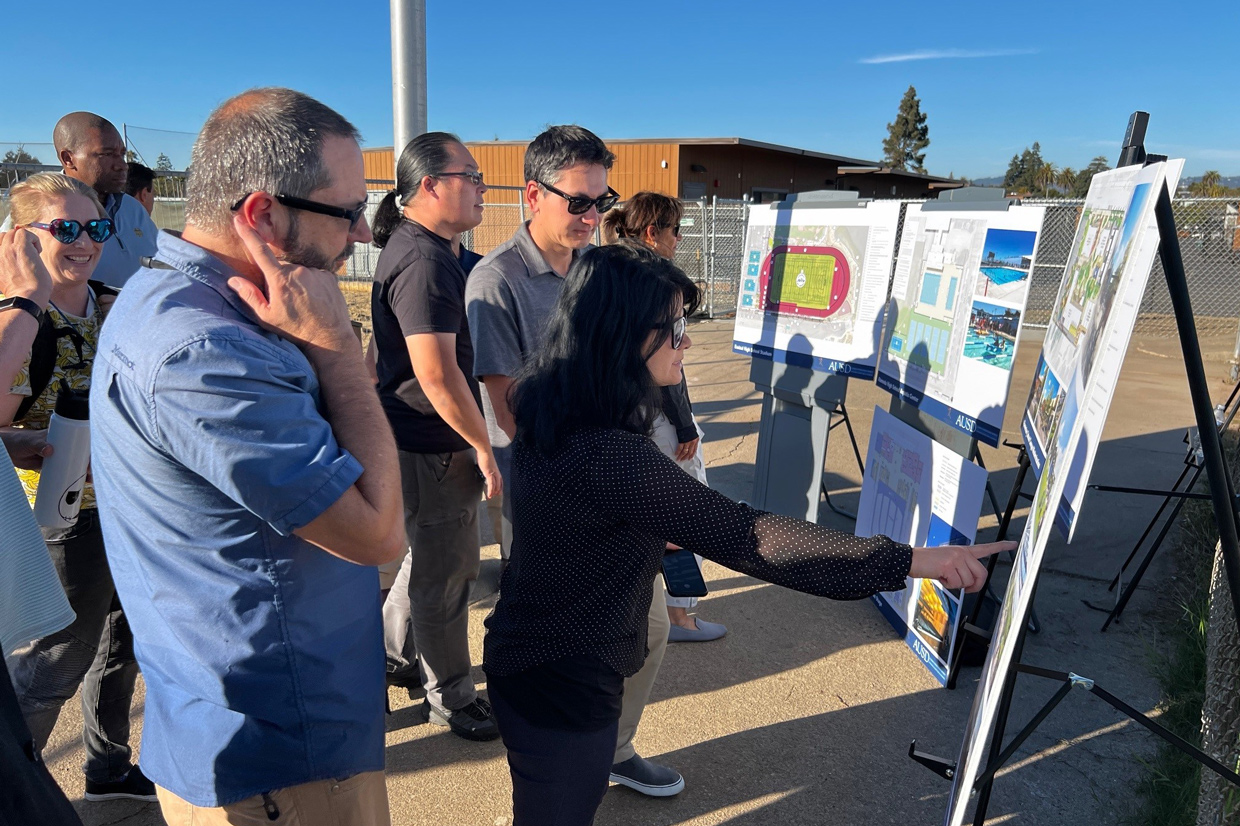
(95, 652)
(558, 777)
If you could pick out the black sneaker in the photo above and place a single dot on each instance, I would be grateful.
(134, 786)
(473, 722)
(646, 777)
(405, 676)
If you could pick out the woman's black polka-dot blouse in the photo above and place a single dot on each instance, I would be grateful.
(589, 530)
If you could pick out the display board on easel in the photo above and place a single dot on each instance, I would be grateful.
(814, 284)
(809, 312)
(1095, 312)
(1092, 318)
(921, 493)
(957, 305)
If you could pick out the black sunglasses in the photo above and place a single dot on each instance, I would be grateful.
(580, 204)
(353, 216)
(474, 178)
(677, 330)
(66, 231)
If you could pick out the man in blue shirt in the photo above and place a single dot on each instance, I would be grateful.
(90, 149)
(247, 480)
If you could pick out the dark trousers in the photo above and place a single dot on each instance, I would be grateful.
(95, 652)
(558, 777)
(426, 614)
(28, 793)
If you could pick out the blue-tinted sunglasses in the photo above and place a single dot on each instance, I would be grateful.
(66, 231)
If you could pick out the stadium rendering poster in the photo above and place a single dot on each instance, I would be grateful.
(1093, 315)
(919, 492)
(958, 300)
(814, 284)
(1081, 402)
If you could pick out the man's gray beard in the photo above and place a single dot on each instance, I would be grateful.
(295, 252)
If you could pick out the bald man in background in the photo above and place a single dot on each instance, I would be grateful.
(90, 149)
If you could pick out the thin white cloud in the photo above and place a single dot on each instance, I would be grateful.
(944, 54)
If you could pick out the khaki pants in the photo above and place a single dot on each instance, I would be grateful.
(637, 688)
(360, 800)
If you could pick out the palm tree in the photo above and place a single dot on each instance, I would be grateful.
(1066, 180)
(1046, 176)
(1210, 185)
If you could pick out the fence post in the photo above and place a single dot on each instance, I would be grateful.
(714, 230)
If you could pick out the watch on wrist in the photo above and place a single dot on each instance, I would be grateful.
(18, 302)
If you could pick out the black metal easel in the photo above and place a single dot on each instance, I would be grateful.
(1222, 497)
(1181, 492)
(970, 631)
(838, 417)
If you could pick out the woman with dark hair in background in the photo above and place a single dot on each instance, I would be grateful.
(654, 220)
(595, 503)
(427, 386)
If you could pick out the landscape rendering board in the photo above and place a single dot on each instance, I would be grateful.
(1092, 318)
(813, 284)
(957, 300)
(1069, 401)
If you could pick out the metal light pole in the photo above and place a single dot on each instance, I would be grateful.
(408, 72)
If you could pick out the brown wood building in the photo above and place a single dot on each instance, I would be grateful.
(701, 167)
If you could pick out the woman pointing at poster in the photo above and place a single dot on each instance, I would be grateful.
(594, 504)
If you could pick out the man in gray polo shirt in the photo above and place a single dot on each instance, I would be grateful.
(508, 301)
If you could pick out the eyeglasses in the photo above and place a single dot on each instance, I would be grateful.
(677, 329)
(580, 204)
(474, 178)
(353, 216)
(66, 231)
(675, 228)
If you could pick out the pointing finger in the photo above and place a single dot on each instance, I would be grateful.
(987, 548)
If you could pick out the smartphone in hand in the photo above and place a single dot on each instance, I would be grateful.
(682, 574)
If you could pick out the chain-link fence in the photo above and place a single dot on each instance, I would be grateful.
(1208, 242)
(713, 236)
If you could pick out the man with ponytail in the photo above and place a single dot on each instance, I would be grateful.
(425, 365)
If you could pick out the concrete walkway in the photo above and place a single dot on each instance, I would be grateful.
(804, 712)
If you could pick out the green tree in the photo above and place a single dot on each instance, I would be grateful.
(163, 163)
(1022, 173)
(1045, 177)
(1098, 164)
(1066, 180)
(1209, 186)
(907, 136)
(19, 155)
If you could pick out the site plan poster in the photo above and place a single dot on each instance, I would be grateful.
(919, 492)
(1085, 397)
(814, 285)
(958, 298)
(1093, 315)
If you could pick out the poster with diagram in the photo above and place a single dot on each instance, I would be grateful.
(1074, 407)
(1093, 315)
(919, 492)
(957, 302)
(814, 284)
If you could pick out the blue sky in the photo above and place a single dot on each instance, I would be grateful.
(993, 77)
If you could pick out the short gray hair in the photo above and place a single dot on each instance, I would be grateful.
(264, 139)
(561, 147)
